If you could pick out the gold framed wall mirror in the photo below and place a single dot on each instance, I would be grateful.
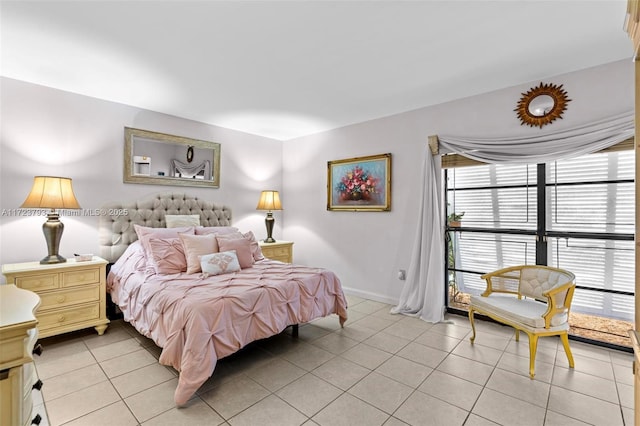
(542, 104)
(163, 159)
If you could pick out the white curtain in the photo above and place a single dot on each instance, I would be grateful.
(423, 294)
(574, 142)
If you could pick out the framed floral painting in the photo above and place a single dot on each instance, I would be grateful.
(359, 184)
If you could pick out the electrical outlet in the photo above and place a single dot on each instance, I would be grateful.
(402, 275)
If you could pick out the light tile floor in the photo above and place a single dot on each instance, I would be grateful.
(380, 369)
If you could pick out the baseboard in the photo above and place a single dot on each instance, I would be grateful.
(371, 296)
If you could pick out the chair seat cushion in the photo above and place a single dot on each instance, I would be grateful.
(527, 312)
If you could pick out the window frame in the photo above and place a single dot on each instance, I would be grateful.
(541, 233)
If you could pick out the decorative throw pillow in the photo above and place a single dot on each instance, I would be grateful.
(219, 263)
(197, 245)
(241, 246)
(218, 230)
(256, 251)
(255, 247)
(145, 233)
(167, 255)
(178, 220)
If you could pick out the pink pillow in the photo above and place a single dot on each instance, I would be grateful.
(219, 230)
(145, 233)
(197, 245)
(167, 255)
(241, 246)
(255, 247)
(256, 251)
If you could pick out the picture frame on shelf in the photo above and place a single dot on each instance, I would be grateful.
(359, 184)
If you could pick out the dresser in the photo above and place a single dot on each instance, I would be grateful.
(73, 294)
(18, 335)
(280, 250)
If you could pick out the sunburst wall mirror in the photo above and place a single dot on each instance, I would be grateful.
(541, 105)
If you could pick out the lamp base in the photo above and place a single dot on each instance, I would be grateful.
(269, 221)
(52, 230)
(54, 258)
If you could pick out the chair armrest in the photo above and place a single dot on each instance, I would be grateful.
(552, 307)
(512, 273)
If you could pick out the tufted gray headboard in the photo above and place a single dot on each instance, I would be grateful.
(116, 230)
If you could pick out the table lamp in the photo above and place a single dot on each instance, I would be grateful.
(269, 200)
(50, 192)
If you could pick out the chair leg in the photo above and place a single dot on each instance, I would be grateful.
(565, 342)
(533, 347)
(473, 325)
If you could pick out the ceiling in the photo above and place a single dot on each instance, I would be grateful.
(285, 69)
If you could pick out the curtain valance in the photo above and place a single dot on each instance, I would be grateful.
(573, 142)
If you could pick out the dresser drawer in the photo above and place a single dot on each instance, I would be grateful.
(28, 377)
(281, 250)
(67, 316)
(80, 277)
(284, 259)
(68, 297)
(278, 252)
(27, 408)
(37, 283)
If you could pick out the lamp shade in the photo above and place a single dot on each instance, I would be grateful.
(50, 192)
(269, 200)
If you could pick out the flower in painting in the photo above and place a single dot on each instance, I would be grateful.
(357, 184)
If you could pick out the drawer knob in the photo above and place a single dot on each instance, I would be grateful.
(36, 420)
(38, 385)
(37, 349)
(61, 299)
(61, 318)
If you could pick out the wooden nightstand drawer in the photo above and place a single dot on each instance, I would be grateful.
(68, 316)
(280, 250)
(69, 297)
(280, 258)
(80, 277)
(38, 282)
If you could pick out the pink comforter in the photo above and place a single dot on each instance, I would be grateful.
(198, 320)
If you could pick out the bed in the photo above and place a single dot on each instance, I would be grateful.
(200, 317)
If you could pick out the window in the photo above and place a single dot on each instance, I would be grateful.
(574, 214)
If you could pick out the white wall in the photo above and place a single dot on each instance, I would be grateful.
(366, 249)
(44, 131)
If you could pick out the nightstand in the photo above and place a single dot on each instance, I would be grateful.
(280, 250)
(73, 294)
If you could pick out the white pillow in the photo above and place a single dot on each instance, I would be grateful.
(219, 263)
(178, 220)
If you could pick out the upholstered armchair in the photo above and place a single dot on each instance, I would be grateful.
(531, 298)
